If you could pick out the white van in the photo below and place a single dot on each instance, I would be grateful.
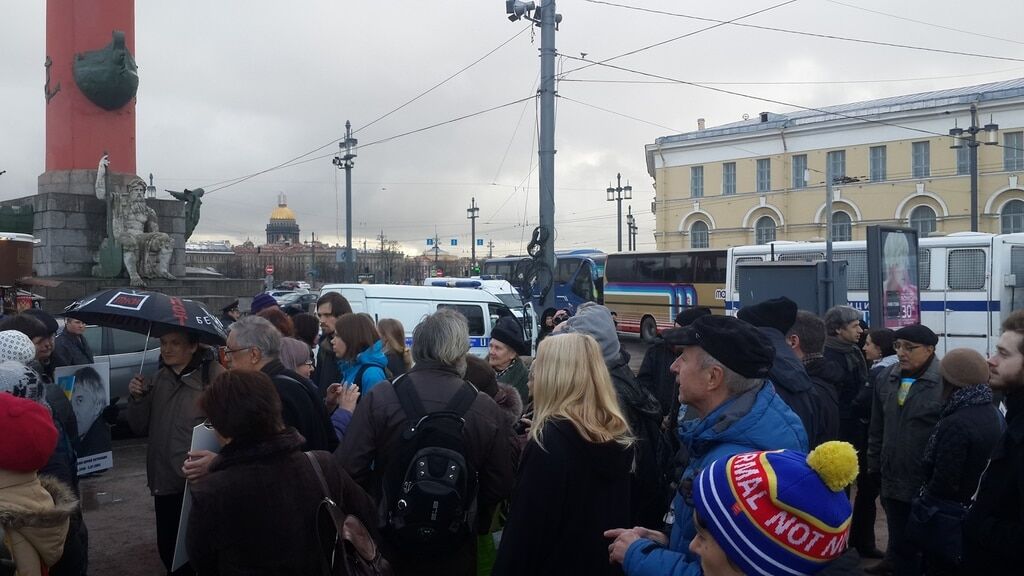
(409, 304)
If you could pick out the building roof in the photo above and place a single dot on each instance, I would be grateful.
(966, 95)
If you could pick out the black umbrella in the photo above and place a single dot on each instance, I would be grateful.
(150, 313)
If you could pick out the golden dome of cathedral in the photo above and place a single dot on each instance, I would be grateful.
(282, 213)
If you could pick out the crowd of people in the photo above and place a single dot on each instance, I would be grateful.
(756, 444)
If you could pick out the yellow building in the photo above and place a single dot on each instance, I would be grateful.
(763, 179)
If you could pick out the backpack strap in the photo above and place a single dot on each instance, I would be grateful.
(462, 400)
(358, 380)
(319, 474)
(410, 401)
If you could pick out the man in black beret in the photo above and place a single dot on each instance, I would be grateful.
(654, 374)
(774, 318)
(906, 406)
(230, 314)
(721, 370)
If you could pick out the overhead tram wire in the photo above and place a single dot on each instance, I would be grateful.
(934, 25)
(670, 40)
(772, 100)
(232, 181)
(797, 82)
(641, 120)
(515, 132)
(803, 33)
(383, 140)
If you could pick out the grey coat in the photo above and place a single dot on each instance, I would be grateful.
(898, 435)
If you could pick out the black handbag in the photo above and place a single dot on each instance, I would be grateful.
(936, 526)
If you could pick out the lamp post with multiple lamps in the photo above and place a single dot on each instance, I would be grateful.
(617, 195)
(971, 141)
(346, 163)
(631, 228)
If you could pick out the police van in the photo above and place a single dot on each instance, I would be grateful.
(409, 304)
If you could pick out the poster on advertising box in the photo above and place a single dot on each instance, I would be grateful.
(894, 296)
(87, 387)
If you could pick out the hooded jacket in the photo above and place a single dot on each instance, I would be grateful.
(754, 420)
(301, 407)
(554, 526)
(375, 361)
(34, 514)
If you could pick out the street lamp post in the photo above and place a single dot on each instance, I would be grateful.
(971, 139)
(472, 213)
(346, 162)
(617, 195)
(631, 227)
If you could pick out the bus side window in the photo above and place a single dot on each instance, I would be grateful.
(583, 285)
(474, 316)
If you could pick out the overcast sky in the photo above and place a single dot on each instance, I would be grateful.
(233, 87)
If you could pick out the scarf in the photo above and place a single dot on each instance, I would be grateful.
(961, 398)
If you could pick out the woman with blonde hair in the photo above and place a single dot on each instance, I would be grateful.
(574, 477)
(392, 334)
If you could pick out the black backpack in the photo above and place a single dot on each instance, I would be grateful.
(429, 492)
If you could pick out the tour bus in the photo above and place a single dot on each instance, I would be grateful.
(579, 276)
(646, 290)
(409, 304)
(969, 281)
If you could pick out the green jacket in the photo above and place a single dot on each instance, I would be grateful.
(898, 434)
(516, 376)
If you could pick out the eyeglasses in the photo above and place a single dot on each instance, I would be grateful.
(308, 363)
(905, 347)
(225, 351)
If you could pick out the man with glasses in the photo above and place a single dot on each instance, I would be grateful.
(255, 344)
(329, 307)
(907, 405)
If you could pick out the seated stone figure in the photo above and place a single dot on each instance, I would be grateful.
(147, 250)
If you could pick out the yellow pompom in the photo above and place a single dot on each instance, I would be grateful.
(836, 464)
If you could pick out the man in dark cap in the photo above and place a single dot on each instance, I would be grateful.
(507, 345)
(230, 314)
(721, 370)
(654, 374)
(907, 404)
(774, 318)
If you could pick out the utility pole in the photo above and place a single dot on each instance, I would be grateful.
(548, 19)
(972, 145)
(472, 213)
(631, 229)
(312, 258)
(830, 181)
(382, 257)
(617, 195)
(346, 162)
(490, 249)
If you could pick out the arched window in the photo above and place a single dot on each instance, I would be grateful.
(699, 235)
(764, 230)
(842, 227)
(922, 219)
(1012, 217)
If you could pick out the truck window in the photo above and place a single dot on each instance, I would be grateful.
(474, 316)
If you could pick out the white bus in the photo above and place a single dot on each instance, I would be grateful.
(969, 281)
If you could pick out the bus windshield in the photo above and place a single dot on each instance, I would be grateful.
(576, 276)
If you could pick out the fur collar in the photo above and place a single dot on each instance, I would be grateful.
(64, 506)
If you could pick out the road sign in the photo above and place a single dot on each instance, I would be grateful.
(455, 241)
(479, 241)
(430, 241)
(438, 273)
(269, 269)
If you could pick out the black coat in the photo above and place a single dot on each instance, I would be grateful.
(71, 350)
(827, 377)
(994, 531)
(964, 441)
(302, 408)
(794, 386)
(654, 375)
(255, 512)
(568, 493)
(326, 371)
(850, 361)
(651, 493)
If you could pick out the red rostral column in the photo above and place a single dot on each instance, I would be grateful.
(78, 131)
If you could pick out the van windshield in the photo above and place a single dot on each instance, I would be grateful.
(510, 300)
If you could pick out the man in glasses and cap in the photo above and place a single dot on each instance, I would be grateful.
(721, 370)
(907, 405)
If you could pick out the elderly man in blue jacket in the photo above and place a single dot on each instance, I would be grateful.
(722, 372)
